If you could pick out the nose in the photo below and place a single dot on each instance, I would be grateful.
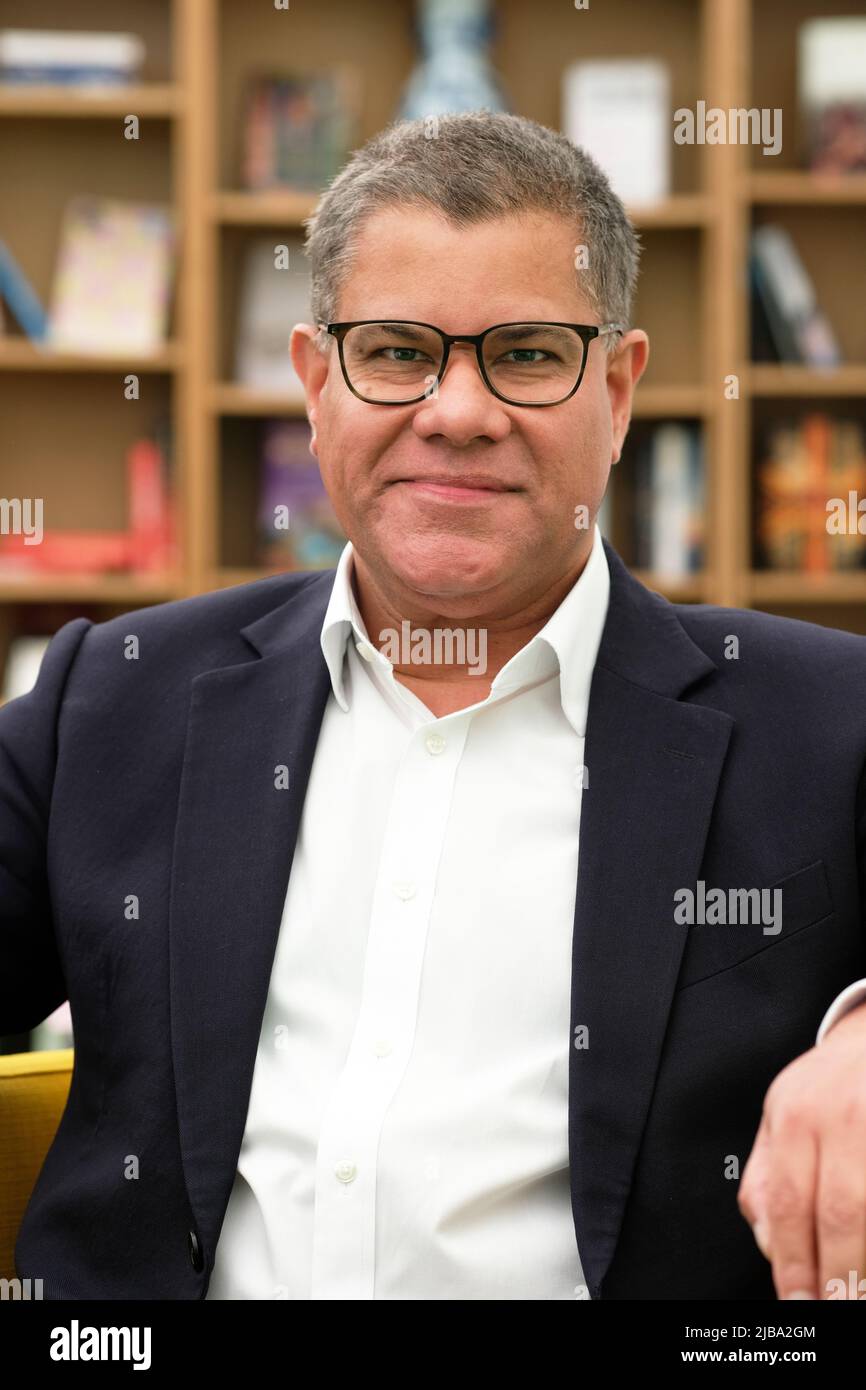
(462, 408)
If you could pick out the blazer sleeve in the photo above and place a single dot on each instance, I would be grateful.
(855, 993)
(31, 974)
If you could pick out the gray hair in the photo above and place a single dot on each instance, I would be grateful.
(474, 166)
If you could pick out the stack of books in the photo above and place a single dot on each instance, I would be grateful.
(73, 59)
(810, 484)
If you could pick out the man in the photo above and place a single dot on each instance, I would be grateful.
(353, 1017)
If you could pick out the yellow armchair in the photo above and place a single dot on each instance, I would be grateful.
(33, 1091)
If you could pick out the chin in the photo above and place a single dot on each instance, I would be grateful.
(445, 573)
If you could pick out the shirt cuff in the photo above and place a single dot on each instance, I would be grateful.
(852, 995)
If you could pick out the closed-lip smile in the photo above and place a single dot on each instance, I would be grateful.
(466, 482)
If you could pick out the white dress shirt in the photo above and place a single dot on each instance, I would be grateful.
(407, 1131)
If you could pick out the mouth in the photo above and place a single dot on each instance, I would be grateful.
(468, 489)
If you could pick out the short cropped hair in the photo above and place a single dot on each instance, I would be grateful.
(475, 166)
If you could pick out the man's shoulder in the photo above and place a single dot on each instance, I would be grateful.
(773, 648)
(774, 631)
(203, 630)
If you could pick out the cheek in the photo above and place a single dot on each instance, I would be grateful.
(349, 447)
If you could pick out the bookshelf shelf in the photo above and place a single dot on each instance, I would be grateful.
(228, 398)
(688, 589)
(20, 355)
(262, 209)
(765, 586)
(89, 588)
(801, 186)
(163, 99)
(784, 380)
(662, 402)
(680, 210)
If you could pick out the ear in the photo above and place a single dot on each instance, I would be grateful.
(625, 367)
(312, 367)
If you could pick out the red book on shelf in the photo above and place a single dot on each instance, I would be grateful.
(69, 552)
(149, 512)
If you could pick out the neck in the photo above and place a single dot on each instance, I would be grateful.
(430, 647)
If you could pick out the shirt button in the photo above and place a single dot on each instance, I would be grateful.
(434, 743)
(404, 891)
(381, 1047)
(346, 1171)
(196, 1255)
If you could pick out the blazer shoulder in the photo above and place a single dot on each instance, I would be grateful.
(189, 635)
(772, 649)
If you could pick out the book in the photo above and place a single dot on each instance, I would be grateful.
(20, 296)
(68, 56)
(831, 82)
(69, 552)
(620, 114)
(804, 464)
(113, 277)
(299, 128)
(847, 480)
(798, 330)
(668, 501)
(272, 300)
(296, 525)
(151, 518)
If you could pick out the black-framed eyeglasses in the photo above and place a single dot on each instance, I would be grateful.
(401, 361)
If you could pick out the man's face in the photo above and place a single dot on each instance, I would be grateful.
(498, 551)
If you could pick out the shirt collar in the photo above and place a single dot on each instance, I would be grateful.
(568, 642)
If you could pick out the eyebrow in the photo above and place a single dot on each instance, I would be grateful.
(528, 331)
(405, 330)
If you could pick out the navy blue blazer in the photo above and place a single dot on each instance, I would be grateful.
(154, 777)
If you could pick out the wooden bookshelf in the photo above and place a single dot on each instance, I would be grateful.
(67, 424)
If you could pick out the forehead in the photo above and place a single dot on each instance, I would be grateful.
(414, 263)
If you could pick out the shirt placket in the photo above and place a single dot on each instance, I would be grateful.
(344, 1230)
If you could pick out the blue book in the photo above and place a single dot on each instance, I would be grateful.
(19, 294)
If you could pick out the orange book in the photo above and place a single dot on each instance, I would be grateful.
(816, 441)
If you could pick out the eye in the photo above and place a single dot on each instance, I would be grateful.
(523, 354)
(404, 350)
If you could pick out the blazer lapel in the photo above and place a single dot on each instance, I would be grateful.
(234, 841)
(653, 767)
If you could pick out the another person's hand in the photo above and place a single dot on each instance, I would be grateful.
(803, 1190)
